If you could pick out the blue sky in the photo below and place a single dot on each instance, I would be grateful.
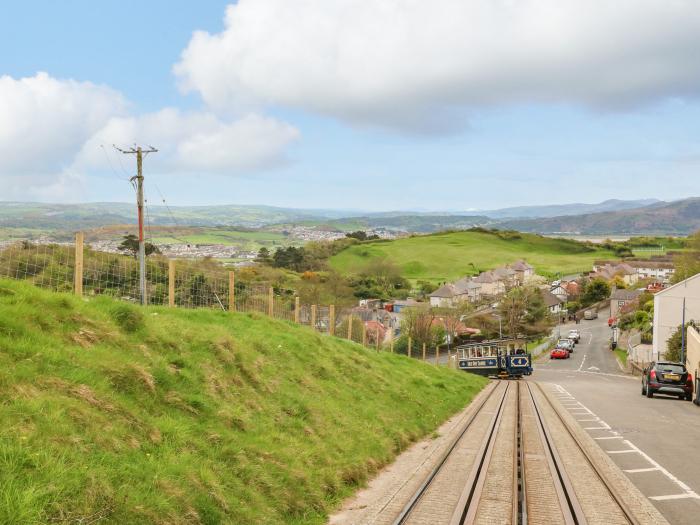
(319, 108)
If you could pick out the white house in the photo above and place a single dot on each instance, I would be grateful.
(668, 311)
(560, 292)
(552, 302)
(659, 270)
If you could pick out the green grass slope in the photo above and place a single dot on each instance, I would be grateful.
(447, 256)
(115, 414)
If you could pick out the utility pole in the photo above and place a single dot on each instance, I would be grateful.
(683, 333)
(138, 179)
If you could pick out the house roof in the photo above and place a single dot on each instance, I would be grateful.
(486, 277)
(521, 266)
(624, 294)
(550, 299)
(503, 271)
(683, 283)
(445, 291)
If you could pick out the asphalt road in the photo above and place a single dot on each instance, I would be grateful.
(655, 441)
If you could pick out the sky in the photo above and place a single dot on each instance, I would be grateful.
(375, 105)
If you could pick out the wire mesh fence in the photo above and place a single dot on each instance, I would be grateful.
(191, 283)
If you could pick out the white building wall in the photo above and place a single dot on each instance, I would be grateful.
(668, 311)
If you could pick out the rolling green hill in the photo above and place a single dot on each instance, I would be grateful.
(446, 256)
(115, 414)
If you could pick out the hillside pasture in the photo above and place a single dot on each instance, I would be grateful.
(447, 256)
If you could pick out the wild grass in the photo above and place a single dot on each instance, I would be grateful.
(116, 414)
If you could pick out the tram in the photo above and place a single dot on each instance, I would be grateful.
(501, 358)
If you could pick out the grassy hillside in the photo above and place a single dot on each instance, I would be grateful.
(447, 256)
(114, 414)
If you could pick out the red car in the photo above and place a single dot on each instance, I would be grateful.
(559, 353)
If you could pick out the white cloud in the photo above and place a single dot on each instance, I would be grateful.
(193, 142)
(44, 121)
(52, 132)
(410, 63)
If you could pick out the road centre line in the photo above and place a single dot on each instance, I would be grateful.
(624, 451)
(635, 470)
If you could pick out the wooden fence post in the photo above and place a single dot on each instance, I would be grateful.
(296, 309)
(271, 302)
(171, 283)
(350, 327)
(410, 344)
(231, 291)
(313, 316)
(437, 356)
(423, 351)
(78, 277)
(364, 334)
(391, 340)
(377, 336)
(331, 319)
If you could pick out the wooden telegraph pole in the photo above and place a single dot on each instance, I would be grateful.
(138, 181)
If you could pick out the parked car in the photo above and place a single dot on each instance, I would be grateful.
(566, 344)
(559, 353)
(590, 315)
(574, 335)
(668, 378)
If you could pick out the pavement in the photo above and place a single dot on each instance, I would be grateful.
(655, 442)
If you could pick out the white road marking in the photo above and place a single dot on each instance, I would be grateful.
(585, 420)
(674, 496)
(635, 470)
(687, 491)
(582, 361)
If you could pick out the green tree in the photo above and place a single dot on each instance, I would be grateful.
(674, 343)
(130, 244)
(263, 256)
(523, 312)
(596, 290)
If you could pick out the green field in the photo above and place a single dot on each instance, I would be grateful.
(116, 414)
(447, 256)
(249, 240)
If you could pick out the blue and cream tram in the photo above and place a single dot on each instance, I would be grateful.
(503, 358)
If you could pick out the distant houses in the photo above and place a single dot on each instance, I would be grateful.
(659, 268)
(491, 283)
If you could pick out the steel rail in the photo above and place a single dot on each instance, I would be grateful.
(467, 505)
(609, 486)
(418, 494)
(570, 507)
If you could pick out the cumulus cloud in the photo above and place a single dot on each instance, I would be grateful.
(410, 63)
(44, 121)
(194, 142)
(52, 132)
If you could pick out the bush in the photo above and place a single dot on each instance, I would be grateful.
(127, 317)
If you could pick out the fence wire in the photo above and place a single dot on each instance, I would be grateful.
(192, 283)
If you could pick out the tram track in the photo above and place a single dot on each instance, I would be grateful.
(512, 471)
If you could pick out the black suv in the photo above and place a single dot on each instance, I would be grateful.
(667, 378)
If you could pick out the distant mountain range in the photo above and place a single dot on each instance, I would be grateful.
(672, 218)
(559, 210)
(609, 217)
